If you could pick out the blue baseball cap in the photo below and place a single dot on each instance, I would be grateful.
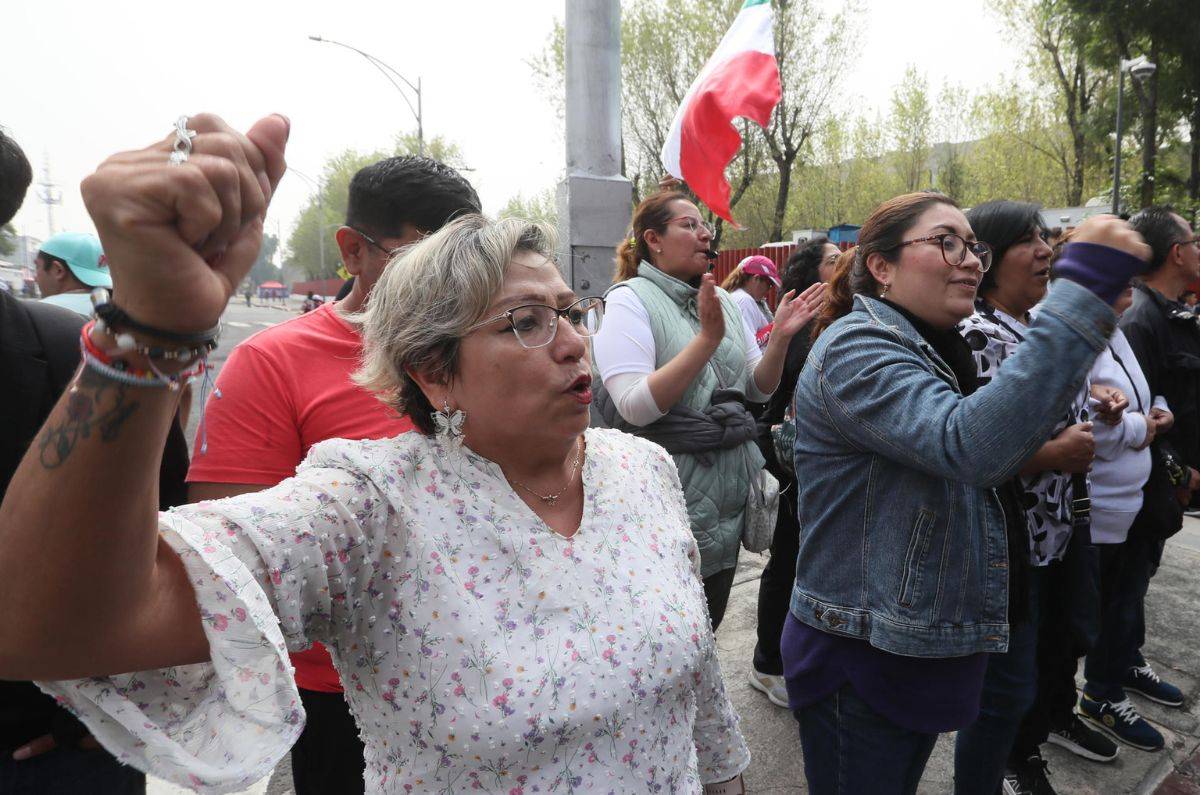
(83, 255)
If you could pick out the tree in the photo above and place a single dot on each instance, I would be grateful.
(811, 50)
(911, 124)
(8, 239)
(1009, 158)
(1062, 43)
(664, 45)
(263, 269)
(953, 128)
(1164, 31)
(326, 210)
(539, 207)
(847, 176)
(437, 148)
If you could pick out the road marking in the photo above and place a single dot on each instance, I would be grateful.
(236, 324)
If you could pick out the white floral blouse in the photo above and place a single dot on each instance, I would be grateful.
(479, 649)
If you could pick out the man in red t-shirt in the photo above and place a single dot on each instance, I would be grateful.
(286, 388)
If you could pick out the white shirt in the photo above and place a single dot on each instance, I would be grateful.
(625, 354)
(477, 647)
(753, 316)
(79, 303)
(1119, 471)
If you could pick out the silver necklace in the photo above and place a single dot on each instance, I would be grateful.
(551, 499)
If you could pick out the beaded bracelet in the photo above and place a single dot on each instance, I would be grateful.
(127, 343)
(117, 319)
(118, 370)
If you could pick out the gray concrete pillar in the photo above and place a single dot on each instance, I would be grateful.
(594, 199)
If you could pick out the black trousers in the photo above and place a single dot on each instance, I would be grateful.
(328, 757)
(1058, 654)
(716, 592)
(69, 771)
(775, 587)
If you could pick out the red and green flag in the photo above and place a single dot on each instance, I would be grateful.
(740, 79)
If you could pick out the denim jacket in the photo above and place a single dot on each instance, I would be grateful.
(903, 540)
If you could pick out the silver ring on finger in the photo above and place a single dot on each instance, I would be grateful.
(183, 142)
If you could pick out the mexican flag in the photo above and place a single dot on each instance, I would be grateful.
(740, 79)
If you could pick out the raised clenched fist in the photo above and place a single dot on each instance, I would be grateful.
(180, 237)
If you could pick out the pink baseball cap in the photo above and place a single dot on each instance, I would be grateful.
(758, 265)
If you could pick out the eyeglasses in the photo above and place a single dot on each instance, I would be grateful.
(693, 225)
(954, 249)
(391, 252)
(536, 324)
(1195, 241)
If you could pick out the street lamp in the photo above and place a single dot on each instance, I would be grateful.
(320, 211)
(1140, 68)
(387, 72)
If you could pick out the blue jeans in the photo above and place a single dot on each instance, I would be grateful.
(1125, 572)
(1009, 689)
(850, 749)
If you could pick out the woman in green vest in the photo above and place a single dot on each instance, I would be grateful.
(677, 367)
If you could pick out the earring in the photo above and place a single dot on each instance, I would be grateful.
(886, 287)
(449, 425)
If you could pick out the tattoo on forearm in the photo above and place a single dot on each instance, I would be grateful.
(94, 405)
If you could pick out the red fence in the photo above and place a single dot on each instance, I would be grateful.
(326, 287)
(727, 261)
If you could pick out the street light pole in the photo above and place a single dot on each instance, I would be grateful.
(388, 71)
(1140, 68)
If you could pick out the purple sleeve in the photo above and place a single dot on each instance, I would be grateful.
(1104, 270)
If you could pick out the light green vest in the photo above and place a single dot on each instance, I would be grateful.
(716, 495)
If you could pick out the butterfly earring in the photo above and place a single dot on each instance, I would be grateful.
(448, 426)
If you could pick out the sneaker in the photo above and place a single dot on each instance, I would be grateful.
(1083, 741)
(1028, 777)
(1143, 681)
(773, 686)
(1120, 721)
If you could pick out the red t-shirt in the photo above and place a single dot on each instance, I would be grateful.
(280, 392)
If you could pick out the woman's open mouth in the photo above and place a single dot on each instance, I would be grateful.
(581, 389)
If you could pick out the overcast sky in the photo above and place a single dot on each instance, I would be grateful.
(85, 79)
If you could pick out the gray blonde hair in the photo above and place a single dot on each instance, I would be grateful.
(427, 298)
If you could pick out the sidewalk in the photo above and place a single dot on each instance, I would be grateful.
(1173, 648)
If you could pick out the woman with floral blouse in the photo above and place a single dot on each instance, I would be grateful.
(511, 599)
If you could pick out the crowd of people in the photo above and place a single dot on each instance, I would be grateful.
(462, 528)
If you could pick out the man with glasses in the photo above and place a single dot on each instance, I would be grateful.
(1165, 338)
(288, 387)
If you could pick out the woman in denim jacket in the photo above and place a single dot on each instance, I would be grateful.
(902, 577)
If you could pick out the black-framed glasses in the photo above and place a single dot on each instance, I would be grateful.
(391, 252)
(694, 225)
(536, 324)
(1195, 241)
(954, 249)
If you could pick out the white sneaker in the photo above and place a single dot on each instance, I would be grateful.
(773, 686)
